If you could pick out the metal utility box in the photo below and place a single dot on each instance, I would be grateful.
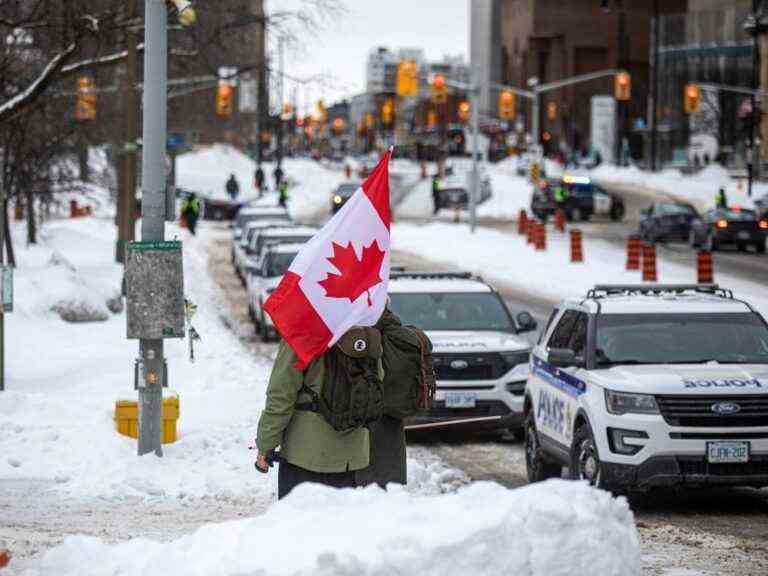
(154, 283)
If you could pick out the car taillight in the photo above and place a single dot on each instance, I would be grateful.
(722, 224)
(763, 224)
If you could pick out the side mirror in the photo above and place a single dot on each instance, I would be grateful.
(525, 322)
(562, 357)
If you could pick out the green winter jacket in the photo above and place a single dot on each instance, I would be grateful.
(305, 439)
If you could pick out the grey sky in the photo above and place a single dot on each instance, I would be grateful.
(440, 27)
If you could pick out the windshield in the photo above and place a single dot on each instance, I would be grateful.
(266, 239)
(673, 209)
(740, 338)
(277, 263)
(243, 219)
(453, 311)
(735, 215)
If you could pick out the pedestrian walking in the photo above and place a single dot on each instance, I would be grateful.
(278, 174)
(435, 192)
(301, 403)
(258, 180)
(190, 211)
(282, 190)
(233, 188)
(721, 200)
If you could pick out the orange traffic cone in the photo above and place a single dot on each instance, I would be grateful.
(577, 254)
(704, 268)
(633, 253)
(649, 263)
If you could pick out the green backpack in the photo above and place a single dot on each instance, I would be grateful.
(409, 370)
(352, 395)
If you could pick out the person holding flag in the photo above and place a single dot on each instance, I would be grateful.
(326, 383)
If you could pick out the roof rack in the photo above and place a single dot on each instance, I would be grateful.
(397, 273)
(602, 290)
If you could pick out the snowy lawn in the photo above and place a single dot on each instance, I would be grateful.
(549, 529)
(505, 257)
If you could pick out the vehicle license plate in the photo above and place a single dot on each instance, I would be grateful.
(725, 452)
(743, 235)
(460, 399)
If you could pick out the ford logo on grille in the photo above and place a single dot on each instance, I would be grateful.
(726, 408)
(459, 364)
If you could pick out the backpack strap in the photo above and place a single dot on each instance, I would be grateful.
(311, 406)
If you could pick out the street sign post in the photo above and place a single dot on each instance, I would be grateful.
(6, 288)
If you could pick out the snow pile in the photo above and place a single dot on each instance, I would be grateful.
(698, 189)
(548, 529)
(507, 258)
(509, 192)
(206, 171)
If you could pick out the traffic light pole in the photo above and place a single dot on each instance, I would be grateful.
(474, 105)
(153, 209)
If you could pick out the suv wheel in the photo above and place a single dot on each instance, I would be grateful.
(536, 466)
(760, 246)
(585, 459)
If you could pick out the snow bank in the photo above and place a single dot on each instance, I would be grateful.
(548, 529)
(698, 189)
(507, 258)
(510, 193)
(206, 171)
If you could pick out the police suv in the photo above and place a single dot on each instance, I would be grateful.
(635, 387)
(480, 360)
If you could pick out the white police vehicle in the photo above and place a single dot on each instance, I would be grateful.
(636, 387)
(480, 361)
(273, 265)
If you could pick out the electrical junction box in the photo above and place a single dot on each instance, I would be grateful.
(154, 282)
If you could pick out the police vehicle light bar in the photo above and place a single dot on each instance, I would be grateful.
(431, 275)
(609, 289)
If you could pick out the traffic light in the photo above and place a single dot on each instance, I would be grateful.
(431, 118)
(322, 112)
(691, 98)
(338, 125)
(464, 110)
(387, 110)
(224, 99)
(407, 78)
(439, 90)
(622, 87)
(85, 102)
(287, 111)
(552, 111)
(507, 102)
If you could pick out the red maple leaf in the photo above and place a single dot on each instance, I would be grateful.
(356, 276)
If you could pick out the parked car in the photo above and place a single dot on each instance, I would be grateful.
(252, 214)
(240, 247)
(341, 194)
(264, 279)
(481, 361)
(666, 221)
(585, 199)
(734, 226)
(454, 194)
(642, 386)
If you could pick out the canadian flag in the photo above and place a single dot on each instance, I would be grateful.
(339, 278)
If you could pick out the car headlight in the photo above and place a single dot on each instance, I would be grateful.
(625, 403)
(337, 199)
(513, 359)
